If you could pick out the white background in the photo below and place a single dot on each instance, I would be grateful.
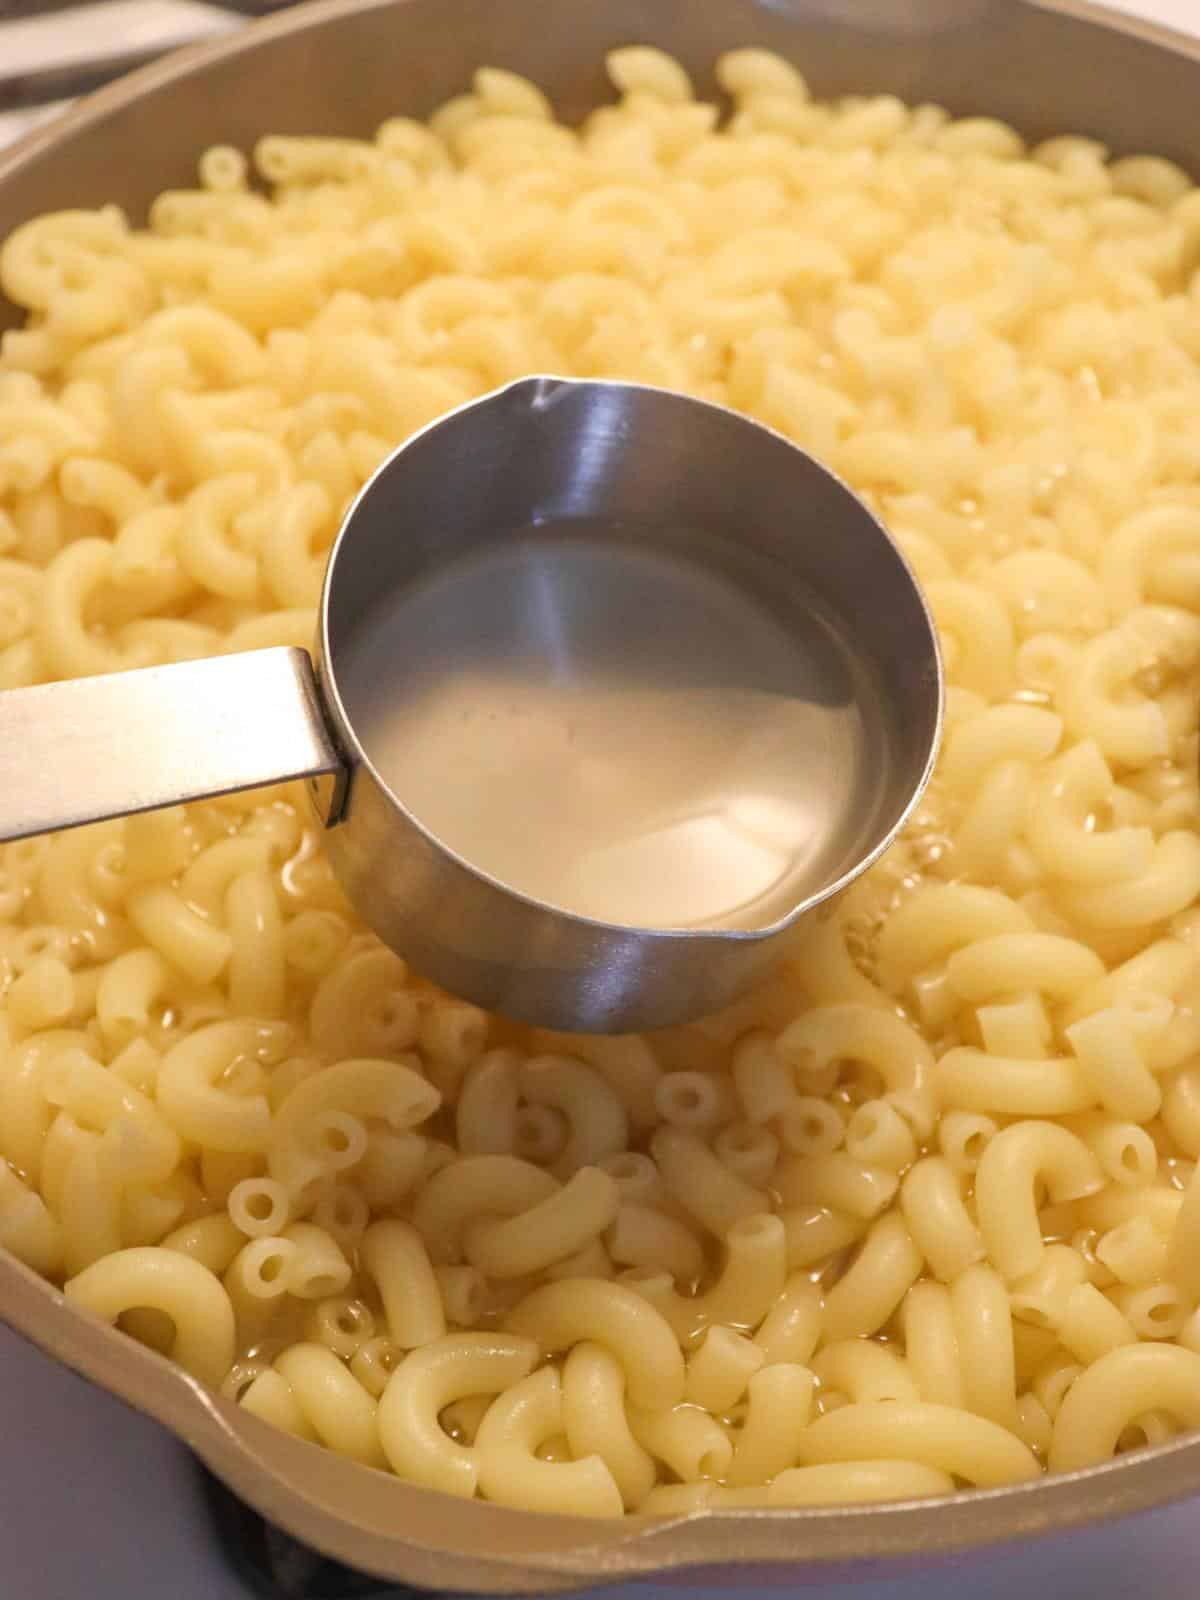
(96, 1503)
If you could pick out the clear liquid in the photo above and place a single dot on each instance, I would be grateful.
(618, 732)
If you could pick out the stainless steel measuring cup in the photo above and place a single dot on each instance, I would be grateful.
(644, 468)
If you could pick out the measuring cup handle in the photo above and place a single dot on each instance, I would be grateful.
(90, 748)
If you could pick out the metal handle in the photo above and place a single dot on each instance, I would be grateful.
(90, 748)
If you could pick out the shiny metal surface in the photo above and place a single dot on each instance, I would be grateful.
(656, 470)
(663, 473)
(72, 753)
(342, 66)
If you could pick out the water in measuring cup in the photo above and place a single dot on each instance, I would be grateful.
(619, 731)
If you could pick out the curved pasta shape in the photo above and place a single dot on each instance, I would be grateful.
(1005, 1199)
(973, 1080)
(596, 1117)
(332, 1401)
(595, 1423)
(1115, 1389)
(190, 1094)
(475, 1187)
(557, 1226)
(939, 919)
(393, 1091)
(1079, 785)
(515, 1424)
(609, 1314)
(424, 1384)
(858, 1033)
(1015, 963)
(864, 1297)
(164, 1280)
(934, 1436)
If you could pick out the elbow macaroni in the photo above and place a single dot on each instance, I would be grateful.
(924, 1207)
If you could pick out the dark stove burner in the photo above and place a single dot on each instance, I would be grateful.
(278, 1567)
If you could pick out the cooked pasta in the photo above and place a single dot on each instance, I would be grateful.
(922, 1211)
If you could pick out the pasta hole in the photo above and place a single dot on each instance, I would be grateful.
(270, 1267)
(710, 1464)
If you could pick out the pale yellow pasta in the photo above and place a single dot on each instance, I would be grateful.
(748, 1150)
(779, 1406)
(361, 1007)
(749, 1283)
(193, 1097)
(334, 1403)
(475, 1187)
(562, 1224)
(863, 1370)
(1120, 1386)
(971, 1080)
(259, 1269)
(1089, 1325)
(180, 935)
(720, 1368)
(270, 1398)
(837, 1180)
(596, 1118)
(1013, 1163)
(1113, 1062)
(886, 1267)
(858, 1483)
(318, 1267)
(932, 1203)
(166, 1281)
(814, 1233)
(878, 1136)
(213, 1240)
(927, 1183)
(949, 1440)
(963, 1137)
(391, 1090)
(612, 1315)
(642, 1236)
(515, 1424)
(342, 1324)
(685, 1439)
(486, 1114)
(930, 1329)
(128, 989)
(706, 1189)
(595, 1423)
(984, 1336)
(425, 1383)
(1153, 1310)
(27, 1228)
(791, 1329)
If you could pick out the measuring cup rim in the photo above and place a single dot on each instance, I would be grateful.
(545, 389)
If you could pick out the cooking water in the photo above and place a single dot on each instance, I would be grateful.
(631, 736)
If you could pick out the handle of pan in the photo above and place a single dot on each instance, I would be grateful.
(91, 748)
